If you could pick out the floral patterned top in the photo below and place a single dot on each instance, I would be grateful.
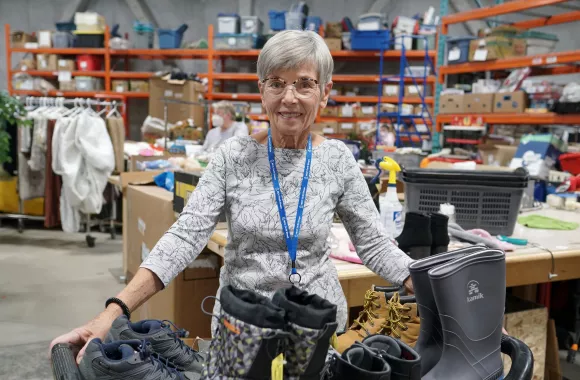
(238, 181)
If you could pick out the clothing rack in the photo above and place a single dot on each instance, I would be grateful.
(56, 102)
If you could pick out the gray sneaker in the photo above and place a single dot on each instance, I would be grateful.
(164, 341)
(125, 360)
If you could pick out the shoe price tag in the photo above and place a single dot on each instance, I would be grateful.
(278, 368)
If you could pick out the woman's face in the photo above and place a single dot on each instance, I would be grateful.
(288, 113)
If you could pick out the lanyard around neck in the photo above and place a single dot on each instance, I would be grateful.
(291, 241)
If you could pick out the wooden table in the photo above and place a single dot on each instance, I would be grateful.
(525, 266)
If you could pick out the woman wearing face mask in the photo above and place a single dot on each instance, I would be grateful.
(279, 189)
(224, 126)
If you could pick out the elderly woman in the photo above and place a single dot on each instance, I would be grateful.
(294, 70)
(224, 126)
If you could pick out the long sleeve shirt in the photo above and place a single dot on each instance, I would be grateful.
(238, 180)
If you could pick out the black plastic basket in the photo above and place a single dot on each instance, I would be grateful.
(482, 199)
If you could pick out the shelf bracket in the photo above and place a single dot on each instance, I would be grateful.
(73, 7)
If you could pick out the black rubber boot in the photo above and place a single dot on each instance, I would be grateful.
(430, 342)
(416, 238)
(522, 358)
(404, 361)
(439, 233)
(250, 334)
(358, 362)
(470, 297)
(311, 322)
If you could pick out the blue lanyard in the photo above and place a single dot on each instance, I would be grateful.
(291, 242)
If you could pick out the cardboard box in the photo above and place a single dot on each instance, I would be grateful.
(333, 43)
(44, 38)
(347, 128)
(413, 91)
(388, 108)
(26, 64)
(120, 86)
(495, 153)
(449, 104)
(510, 102)
(325, 128)
(46, 62)
(190, 91)
(139, 86)
(19, 39)
(496, 47)
(333, 30)
(391, 89)
(66, 65)
(478, 103)
(365, 111)
(68, 85)
(150, 211)
(346, 110)
(365, 126)
(329, 111)
(419, 110)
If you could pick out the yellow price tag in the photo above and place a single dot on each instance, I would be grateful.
(278, 368)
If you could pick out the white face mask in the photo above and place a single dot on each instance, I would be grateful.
(217, 121)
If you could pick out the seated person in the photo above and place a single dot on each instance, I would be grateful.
(224, 126)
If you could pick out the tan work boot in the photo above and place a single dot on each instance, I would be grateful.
(370, 320)
(402, 321)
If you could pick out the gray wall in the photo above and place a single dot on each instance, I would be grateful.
(33, 15)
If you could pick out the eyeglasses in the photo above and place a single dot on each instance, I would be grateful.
(304, 88)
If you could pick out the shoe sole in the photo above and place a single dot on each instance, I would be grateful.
(64, 366)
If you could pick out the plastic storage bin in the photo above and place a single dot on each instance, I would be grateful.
(277, 20)
(228, 23)
(370, 21)
(143, 35)
(570, 162)
(294, 20)
(458, 49)
(89, 40)
(87, 62)
(62, 39)
(88, 83)
(171, 39)
(369, 40)
(313, 23)
(488, 200)
(418, 71)
(238, 41)
(251, 25)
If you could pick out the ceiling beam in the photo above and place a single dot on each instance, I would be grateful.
(378, 6)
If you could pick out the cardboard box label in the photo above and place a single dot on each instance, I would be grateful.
(120, 88)
(391, 90)
(168, 93)
(454, 54)
(347, 126)
(64, 76)
(328, 130)
(141, 226)
(480, 55)
(368, 110)
(346, 111)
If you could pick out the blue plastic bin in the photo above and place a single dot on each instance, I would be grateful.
(458, 49)
(171, 39)
(370, 39)
(277, 20)
(313, 23)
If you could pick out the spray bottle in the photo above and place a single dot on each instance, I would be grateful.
(391, 208)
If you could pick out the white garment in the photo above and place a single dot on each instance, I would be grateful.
(83, 156)
(216, 136)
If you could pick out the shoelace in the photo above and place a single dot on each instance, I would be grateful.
(177, 335)
(396, 317)
(164, 366)
(368, 313)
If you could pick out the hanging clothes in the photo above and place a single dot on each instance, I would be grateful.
(11, 167)
(52, 184)
(82, 153)
(116, 128)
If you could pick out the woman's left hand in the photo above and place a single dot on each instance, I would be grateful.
(409, 285)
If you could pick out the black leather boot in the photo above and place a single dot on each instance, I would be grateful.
(404, 361)
(416, 239)
(439, 233)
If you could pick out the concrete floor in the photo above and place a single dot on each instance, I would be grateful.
(50, 282)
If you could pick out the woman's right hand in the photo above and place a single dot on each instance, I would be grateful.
(81, 336)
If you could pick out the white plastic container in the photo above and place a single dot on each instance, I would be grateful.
(251, 24)
(391, 212)
(407, 41)
(370, 21)
(228, 23)
(294, 20)
(45, 38)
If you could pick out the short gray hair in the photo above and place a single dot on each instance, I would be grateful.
(225, 106)
(291, 49)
